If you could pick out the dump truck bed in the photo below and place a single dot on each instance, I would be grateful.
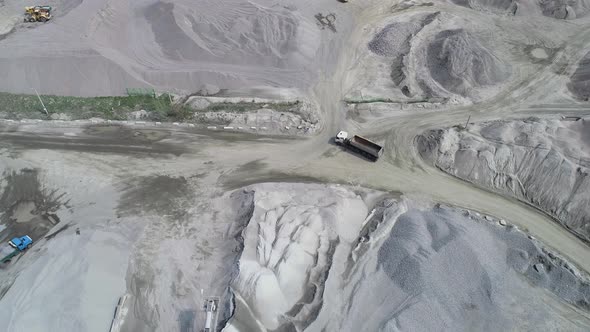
(366, 145)
(5, 251)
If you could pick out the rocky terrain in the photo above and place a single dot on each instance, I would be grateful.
(558, 9)
(579, 83)
(276, 116)
(433, 56)
(318, 257)
(459, 63)
(543, 162)
(142, 225)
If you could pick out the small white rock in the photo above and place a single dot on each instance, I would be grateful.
(502, 222)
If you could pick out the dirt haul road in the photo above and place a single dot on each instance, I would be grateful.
(220, 161)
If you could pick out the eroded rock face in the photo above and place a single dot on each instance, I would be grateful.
(459, 62)
(318, 257)
(559, 9)
(564, 9)
(437, 263)
(580, 81)
(288, 249)
(542, 162)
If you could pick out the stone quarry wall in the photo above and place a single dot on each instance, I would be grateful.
(541, 162)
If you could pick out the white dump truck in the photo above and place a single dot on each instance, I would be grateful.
(361, 145)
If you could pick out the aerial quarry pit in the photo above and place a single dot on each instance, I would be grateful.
(295, 165)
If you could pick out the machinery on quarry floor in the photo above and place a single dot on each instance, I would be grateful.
(359, 144)
(37, 14)
(14, 247)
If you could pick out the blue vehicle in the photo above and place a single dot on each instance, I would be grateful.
(14, 247)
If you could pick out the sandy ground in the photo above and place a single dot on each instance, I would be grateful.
(169, 225)
(101, 47)
(152, 206)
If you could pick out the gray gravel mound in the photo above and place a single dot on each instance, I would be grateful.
(459, 62)
(542, 162)
(580, 81)
(559, 9)
(452, 265)
(564, 9)
(394, 41)
(408, 268)
(500, 5)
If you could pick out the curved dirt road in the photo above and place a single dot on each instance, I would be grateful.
(316, 159)
(401, 169)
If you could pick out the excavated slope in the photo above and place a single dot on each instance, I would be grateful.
(430, 61)
(559, 9)
(542, 162)
(318, 257)
(579, 83)
(459, 62)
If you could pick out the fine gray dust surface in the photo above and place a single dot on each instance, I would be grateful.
(102, 47)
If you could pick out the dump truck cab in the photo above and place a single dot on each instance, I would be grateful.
(21, 243)
(341, 137)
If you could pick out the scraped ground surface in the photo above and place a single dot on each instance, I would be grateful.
(102, 47)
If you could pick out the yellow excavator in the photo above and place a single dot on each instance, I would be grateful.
(37, 14)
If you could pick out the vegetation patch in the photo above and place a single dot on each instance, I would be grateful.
(253, 106)
(158, 108)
